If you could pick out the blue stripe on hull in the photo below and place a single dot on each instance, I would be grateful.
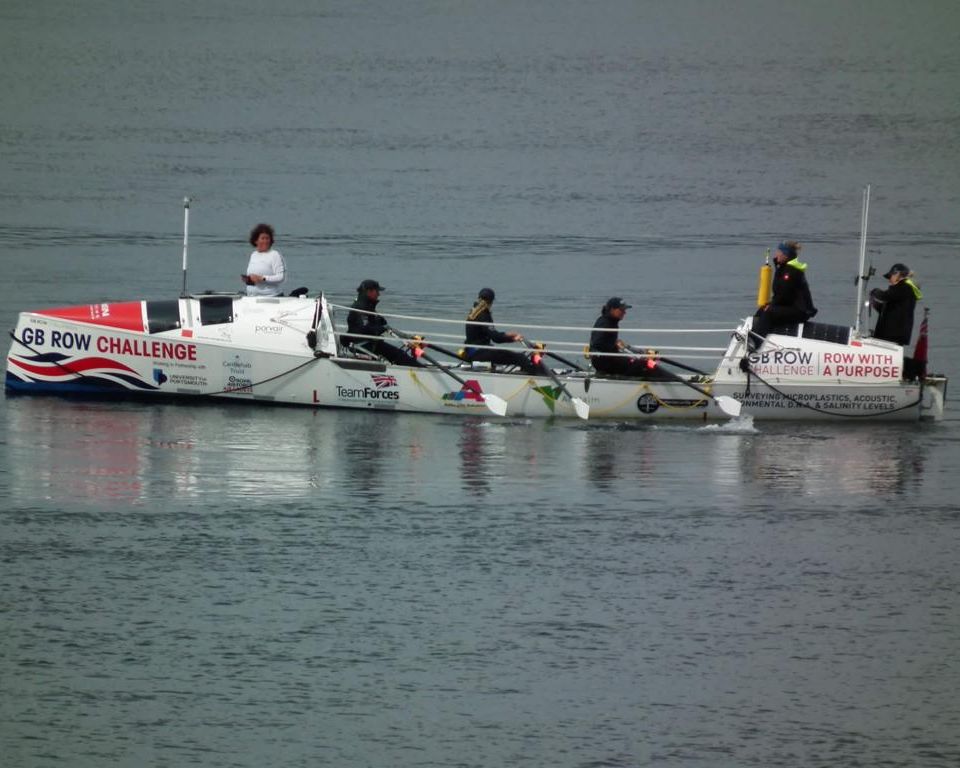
(88, 385)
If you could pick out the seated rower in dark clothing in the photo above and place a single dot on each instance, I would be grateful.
(480, 335)
(896, 305)
(606, 347)
(368, 323)
(791, 302)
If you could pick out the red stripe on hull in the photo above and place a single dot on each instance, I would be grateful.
(125, 316)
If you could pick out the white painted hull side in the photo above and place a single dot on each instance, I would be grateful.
(257, 350)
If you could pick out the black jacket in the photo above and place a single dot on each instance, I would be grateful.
(605, 341)
(896, 305)
(484, 335)
(368, 325)
(790, 289)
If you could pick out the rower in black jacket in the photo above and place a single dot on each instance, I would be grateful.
(606, 347)
(791, 302)
(480, 337)
(896, 305)
(367, 323)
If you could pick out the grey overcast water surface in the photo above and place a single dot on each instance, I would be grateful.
(219, 585)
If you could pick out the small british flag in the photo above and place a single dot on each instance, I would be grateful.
(382, 381)
(920, 350)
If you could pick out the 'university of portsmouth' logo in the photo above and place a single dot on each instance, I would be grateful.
(382, 380)
(469, 391)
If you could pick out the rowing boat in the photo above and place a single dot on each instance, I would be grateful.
(288, 350)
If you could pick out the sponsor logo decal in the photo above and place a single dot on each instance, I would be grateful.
(382, 387)
(237, 376)
(647, 403)
(550, 395)
(470, 390)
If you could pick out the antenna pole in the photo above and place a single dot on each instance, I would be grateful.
(186, 227)
(861, 271)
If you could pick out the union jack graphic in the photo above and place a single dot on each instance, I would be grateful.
(382, 380)
(54, 371)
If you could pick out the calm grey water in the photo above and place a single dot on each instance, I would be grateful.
(212, 585)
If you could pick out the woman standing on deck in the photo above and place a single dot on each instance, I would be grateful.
(791, 302)
(896, 305)
(266, 269)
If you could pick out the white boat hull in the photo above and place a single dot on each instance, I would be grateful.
(260, 350)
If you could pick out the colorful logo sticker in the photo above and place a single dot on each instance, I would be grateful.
(470, 390)
(550, 395)
(384, 388)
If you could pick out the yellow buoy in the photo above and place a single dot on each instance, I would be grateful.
(765, 283)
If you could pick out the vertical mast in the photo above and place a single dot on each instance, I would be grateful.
(186, 226)
(861, 271)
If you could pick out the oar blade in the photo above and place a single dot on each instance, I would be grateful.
(582, 409)
(728, 405)
(496, 404)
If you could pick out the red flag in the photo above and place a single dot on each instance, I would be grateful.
(920, 351)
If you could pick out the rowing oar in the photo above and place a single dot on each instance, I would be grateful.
(728, 405)
(563, 360)
(684, 366)
(669, 361)
(443, 350)
(582, 409)
(418, 341)
(496, 404)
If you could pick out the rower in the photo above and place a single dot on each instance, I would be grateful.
(366, 322)
(606, 347)
(481, 335)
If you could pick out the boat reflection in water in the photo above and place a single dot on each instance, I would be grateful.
(829, 462)
(91, 452)
(737, 464)
(475, 457)
(139, 453)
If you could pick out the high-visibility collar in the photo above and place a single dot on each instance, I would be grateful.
(797, 264)
(915, 288)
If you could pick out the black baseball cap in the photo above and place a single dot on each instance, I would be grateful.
(897, 269)
(617, 303)
(370, 285)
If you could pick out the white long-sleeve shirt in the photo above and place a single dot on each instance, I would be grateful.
(270, 264)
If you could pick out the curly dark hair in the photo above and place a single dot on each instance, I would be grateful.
(259, 230)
